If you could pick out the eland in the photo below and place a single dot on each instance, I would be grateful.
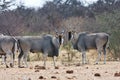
(85, 41)
(47, 44)
(8, 46)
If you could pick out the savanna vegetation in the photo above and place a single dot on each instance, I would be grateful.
(101, 16)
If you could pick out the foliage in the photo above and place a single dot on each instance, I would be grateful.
(110, 23)
(70, 52)
(115, 43)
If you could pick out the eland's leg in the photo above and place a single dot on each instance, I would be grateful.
(3, 59)
(54, 60)
(45, 58)
(12, 59)
(83, 57)
(99, 56)
(19, 58)
(104, 52)
(25, 58)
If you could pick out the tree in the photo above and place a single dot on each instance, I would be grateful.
(5, 5)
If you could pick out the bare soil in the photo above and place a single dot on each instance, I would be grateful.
(108, 71)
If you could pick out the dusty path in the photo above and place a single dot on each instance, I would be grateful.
(73, 72)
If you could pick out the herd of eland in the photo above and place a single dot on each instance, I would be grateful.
(49, 45)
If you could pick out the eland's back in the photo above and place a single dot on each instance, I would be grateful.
(95, 40)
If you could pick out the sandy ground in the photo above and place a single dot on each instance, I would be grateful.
(109, 71)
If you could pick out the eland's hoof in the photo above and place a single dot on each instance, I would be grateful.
(11, 65)
(21, 67)
(7, 66)
(96, 64)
